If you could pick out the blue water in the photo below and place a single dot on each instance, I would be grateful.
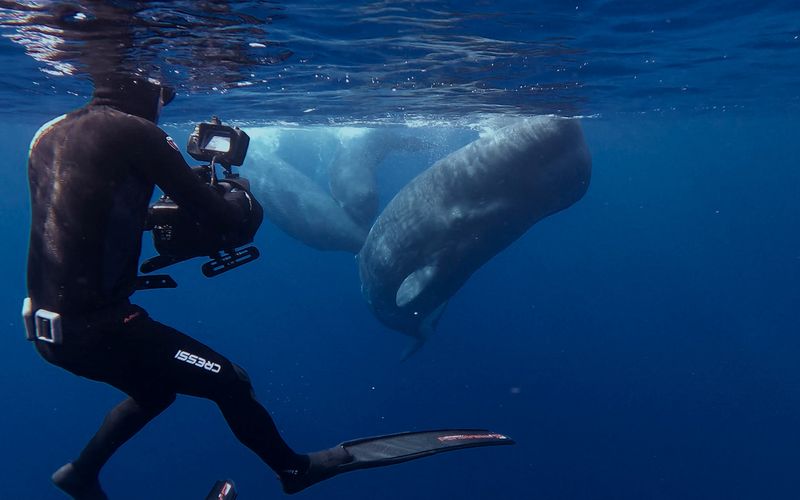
(642, 344)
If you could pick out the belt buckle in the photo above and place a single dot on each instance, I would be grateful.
(48, 326)
(41, 325)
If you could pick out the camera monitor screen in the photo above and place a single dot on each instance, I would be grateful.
(218, 143)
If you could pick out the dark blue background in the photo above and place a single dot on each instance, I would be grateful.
(642, 344)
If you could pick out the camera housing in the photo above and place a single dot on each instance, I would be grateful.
(217, 143)
(177, 236)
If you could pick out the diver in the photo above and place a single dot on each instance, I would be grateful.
(92, 174)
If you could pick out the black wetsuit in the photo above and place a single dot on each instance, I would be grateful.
(92, 175)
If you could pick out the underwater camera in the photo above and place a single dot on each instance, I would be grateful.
(178, 236)
(217, 143)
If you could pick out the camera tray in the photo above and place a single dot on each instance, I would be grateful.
(223, 261)
(226, 260)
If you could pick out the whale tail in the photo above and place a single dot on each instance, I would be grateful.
(426, 330)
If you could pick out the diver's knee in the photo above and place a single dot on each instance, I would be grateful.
(241, 374)
(241, 383)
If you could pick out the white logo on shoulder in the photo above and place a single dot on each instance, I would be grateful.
(172, 144)
(195, 360)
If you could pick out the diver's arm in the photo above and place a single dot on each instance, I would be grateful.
(166, 168)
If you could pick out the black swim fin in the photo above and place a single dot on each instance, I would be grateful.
(380, 451)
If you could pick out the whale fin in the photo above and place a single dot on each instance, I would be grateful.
(414, 284)
(426, 329)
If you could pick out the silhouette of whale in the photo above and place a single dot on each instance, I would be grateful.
(302, 209)
(352, 170)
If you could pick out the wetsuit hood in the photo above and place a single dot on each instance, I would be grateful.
(133, 95)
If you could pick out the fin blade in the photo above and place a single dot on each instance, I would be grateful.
(397, 448)
(380, 451)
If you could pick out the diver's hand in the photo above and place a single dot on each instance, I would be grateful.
(250, 214)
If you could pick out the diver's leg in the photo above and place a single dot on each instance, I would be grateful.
(80, 477)
(197, 370)
(253, 426)
(112, 351)
(193, 368)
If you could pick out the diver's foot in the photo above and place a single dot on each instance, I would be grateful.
(80, 487)
(322, 465)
